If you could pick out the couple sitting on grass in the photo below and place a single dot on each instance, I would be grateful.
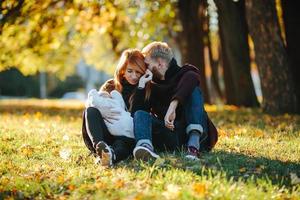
(151, 105)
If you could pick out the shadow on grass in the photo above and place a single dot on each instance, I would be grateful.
(234, 166)
(241, 166)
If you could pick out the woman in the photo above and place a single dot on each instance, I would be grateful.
(107, 147)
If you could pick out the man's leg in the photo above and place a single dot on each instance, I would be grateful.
(123, 147)
(165, 139)
(196, 120)
(142, 122)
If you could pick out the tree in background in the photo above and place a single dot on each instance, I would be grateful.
(51, 36)
(235, 53)
(291, 17)
(271, 57)
(191, 38)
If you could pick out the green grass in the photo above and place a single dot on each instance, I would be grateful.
(42, 156)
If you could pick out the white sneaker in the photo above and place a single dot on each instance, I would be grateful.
(144, 152)
(105, 153)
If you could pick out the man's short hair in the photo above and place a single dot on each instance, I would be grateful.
(158, 50)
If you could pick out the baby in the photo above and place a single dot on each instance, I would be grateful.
(104, 101)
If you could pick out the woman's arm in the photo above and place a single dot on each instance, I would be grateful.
(138, 98)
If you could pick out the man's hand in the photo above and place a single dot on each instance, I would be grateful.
(171, 115)
(145, 79)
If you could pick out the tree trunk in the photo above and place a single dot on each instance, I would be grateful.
(271, 57)
(291, 17)
(192, 36)
(214, 71)
(239, 87)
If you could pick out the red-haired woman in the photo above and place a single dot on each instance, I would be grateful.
(107, 147)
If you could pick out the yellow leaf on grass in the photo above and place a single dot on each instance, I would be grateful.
(71, 187)
(199, 188)
(26, 150)
(119, 183)
(61, 178)
(38, 115)
(222, 133)
(258, 133)
(100, 185)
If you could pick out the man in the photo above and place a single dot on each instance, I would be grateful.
(174, 115)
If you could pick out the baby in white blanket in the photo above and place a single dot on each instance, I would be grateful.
(104, 102)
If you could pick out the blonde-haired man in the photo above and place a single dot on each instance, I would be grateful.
(174, 115)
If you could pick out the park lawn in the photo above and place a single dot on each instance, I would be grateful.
(42, 156)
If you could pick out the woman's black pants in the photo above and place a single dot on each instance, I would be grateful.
(94, 130)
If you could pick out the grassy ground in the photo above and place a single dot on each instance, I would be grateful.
(42, 156)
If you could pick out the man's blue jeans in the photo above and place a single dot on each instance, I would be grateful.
(149, 127)
(195, 115)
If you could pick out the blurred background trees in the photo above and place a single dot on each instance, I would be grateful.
(232, 42)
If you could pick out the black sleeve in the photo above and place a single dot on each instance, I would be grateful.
(185, 87)
(138, 101)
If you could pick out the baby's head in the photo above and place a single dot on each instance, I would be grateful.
(104, 94)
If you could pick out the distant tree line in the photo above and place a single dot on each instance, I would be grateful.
(250, 32)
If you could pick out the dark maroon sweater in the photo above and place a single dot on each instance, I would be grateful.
(179, 84)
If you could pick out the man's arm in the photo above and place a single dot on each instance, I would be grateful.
(138, 98)
(188, 82)
(171, 114)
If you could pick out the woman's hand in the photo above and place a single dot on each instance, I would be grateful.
(171, 115)
(145, 79)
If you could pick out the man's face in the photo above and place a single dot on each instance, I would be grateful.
(154, 67)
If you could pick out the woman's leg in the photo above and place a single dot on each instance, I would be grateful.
(95, 127)
(120, 146)
(142, 123)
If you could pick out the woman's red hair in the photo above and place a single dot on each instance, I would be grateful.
(135, 59)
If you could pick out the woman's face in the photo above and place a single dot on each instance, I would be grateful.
(132, 75)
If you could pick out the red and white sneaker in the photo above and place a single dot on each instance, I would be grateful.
(192, 153)
(105, 153)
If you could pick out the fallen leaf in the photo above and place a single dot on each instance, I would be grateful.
(199, 188)
(26, 150)
(119, 183)
(258, 133)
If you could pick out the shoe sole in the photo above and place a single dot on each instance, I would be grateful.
(142, 153)
(104, 153)
(190, 157)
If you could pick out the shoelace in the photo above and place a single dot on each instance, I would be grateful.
(148, 146)
(193, 150)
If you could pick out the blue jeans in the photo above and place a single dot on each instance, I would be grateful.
(195, 115)
(149, 127)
